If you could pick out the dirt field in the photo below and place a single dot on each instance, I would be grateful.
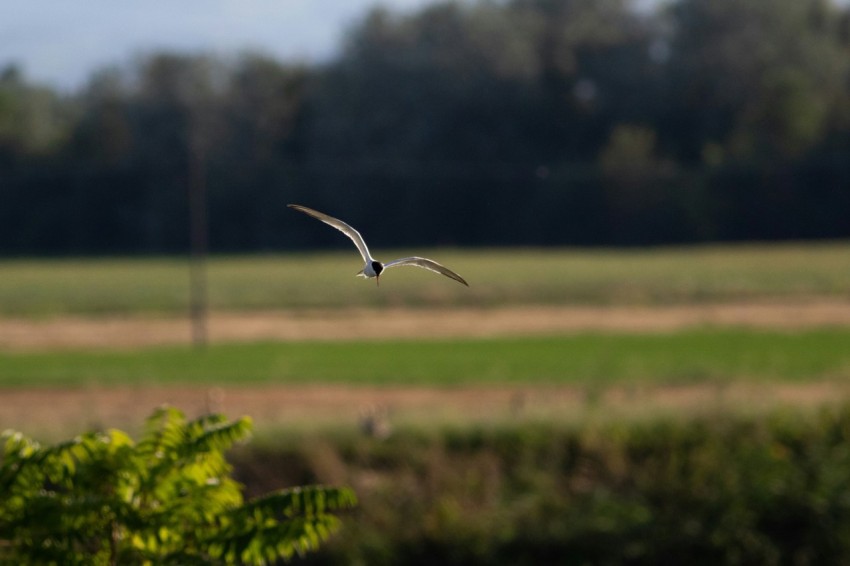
(55, 414)
(59, 413)
(359, 324)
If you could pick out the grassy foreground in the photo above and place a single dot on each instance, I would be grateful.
(496, 276)
(696, 355)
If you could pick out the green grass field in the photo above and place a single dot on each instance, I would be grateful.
(707, 355)
(497, 277)
(151, 287)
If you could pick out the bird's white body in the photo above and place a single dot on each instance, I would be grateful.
(373, 267)
(368, 271)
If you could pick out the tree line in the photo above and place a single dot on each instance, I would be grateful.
(512, 122)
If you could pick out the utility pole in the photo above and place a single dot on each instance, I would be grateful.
(198, 238)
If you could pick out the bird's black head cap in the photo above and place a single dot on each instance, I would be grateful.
(378, 267)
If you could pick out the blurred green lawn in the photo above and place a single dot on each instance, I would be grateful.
(497, 277)
(697, 355)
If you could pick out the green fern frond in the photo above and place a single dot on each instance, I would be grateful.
(164, 431)
(303, 501)
(220, 436)
(274, 540)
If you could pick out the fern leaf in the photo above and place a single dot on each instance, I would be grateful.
(311, 500)
(220, 436)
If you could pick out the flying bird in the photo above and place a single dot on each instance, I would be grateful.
(373, 267)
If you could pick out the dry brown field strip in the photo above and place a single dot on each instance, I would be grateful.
(57, 413)
(74, 332)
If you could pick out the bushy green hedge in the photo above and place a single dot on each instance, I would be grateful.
(726, 489)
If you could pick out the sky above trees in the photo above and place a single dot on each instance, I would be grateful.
(62, 43)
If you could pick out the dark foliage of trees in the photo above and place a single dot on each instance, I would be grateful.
(577, 122)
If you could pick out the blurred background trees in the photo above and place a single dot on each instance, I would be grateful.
(568, 122)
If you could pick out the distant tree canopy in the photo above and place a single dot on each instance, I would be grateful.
(568, 122)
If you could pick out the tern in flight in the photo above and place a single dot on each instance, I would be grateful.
(373, 267)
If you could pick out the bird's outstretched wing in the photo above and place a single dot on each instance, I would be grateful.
(428, 264)
(339, 225)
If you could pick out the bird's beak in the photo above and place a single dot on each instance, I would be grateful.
(378, 280)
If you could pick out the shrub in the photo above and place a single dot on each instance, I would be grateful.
(716, 488)
(168, 499)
